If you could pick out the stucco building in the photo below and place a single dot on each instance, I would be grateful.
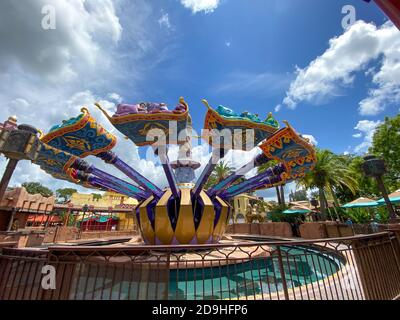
(122, 206)
(16, 206)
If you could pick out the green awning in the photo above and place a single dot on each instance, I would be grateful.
(362, 205)
(393, 197)
(101, 219)
(361, 202)
(392, 200)
(296, 211)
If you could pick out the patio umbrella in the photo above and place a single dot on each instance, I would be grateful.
(361, 203)
(297, 209)
(393, 197)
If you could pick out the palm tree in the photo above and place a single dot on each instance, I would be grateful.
(331, 172)
(221, 171)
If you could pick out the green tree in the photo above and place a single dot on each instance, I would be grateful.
(64, 195)
(97, 196)
(298, 195)
(386, 144)
(220, 172)
(37, 188)
(276, 214)
(331, 172)
(367, 187)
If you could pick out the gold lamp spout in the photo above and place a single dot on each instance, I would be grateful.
(102, 110)
(205, 102)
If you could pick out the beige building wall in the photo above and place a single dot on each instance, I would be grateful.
(109, 199)
(240, 205)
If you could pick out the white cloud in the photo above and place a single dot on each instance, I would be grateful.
(115, 97)
(164, 21)
(81, 27)
(347, 54)
(311, 138)
(228, 44)
(38, 67)
(367, 130)
(387, 79)
(201, 5)
(357, 135)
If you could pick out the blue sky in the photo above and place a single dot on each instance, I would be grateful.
(290, 57)
(267, 39)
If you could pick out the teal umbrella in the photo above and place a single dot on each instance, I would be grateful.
(361, 203)
(101, 219)
(296, 211)
(394, 198)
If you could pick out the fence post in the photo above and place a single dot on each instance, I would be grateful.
(363, 268)
(282, 272)
(395, 246)
(169, 270)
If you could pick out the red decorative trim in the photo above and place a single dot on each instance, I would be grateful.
(87, 118)
(71, 128)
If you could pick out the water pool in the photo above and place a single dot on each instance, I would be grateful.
(257, 277)
(260, 276)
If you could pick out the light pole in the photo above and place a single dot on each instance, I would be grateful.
(9, 125)
(16, 143)
(376, 168)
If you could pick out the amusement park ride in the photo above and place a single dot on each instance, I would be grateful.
(391, 8)
(183, 213)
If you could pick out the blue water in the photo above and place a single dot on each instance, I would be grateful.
(260, 276)
(256, 277)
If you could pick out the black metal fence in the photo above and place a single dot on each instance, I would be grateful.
(356, 268)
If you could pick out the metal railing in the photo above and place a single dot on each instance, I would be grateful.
(354, 268)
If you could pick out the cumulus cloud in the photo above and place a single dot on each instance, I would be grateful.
(201, 5)
(311, 139)
(367, 130)
(347, 54)
(80, 28)
(115, 97)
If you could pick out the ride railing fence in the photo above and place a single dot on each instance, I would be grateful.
(368, 228)
(354, 268)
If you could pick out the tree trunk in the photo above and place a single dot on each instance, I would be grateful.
(336, 202)
(283, 195)
(322, 203)
(278, 195)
